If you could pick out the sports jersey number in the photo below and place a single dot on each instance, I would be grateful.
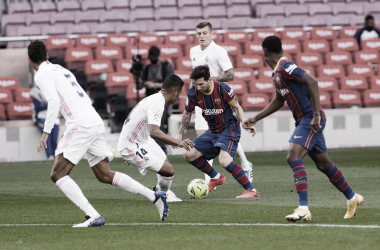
(143, 152)
(74, 84)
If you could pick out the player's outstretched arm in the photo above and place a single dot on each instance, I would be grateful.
(228, 76)
(238, 110)
(272, 107)
(186, 117)
(155, 132)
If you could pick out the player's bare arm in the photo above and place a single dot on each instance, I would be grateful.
(312, 86)
(238, 110)
(186, 117)
(228, 76)
(272, 107)
(155, 132)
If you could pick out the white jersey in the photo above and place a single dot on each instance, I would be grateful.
(136, 126)
(63, 94)
(367, 35)
(214, 56)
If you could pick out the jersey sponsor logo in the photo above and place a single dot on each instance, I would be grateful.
(339, 58)
(360, 70)
(290, 69)
(148, 39)
(217, 101)
(212, 111)
(283, 92)
(117, 39)
(368, 57)
(375, 96)
(231, 93)
(177, 38)
(109, 52)
(7, 83)
(324, 33)
(59, 41)
(347, 97)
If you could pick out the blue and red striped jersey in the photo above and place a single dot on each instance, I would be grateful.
(287, 79)
(216, 106)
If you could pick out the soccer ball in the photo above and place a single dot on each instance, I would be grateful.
(197, 188)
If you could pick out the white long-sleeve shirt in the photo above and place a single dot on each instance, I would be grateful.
(63, 94)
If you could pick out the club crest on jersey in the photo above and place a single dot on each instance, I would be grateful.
(146, 159)
(278, 80)
(206, 59)
(217, 101)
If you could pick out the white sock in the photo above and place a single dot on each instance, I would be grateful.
(216, 177)
(304, 207)
(75, 194)
(125, 182)
(352, 200)
(243, 159)
(164, 183)
(207, 178)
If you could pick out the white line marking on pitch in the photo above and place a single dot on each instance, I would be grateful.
(210, 224)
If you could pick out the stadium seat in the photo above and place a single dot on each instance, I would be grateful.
(338, 21)
(236, 23)
(19, 111)
(236, 36)
(141, 15)
(357, 20)
(140, 4)
(117, 82)
(114, 16)
(164, 13)
(249, 61)
(322, 33)
(297, 10)
(23, 95)
(12, 22)
(375, 82)
(29, 31)
(184, 25)
(338, 57)
(87, 18)
(244, 74)
(89, 6)
(261, 23)
(121, 40)
(254, 101)
(260, 35)
(117, 5)
(184, 3)
(265, 73)
(353, 83)
(68, 6)
(131, 95)
(253, 48)
(239, 11)
(164, 3)
(347, 32)
(334, 70)
(62, 18)
(263, 11)
(130, 27)
(308, 69)
(87, 41)
(360, 70)
(291, 46)
(371, 8)
(55, 30)
(9, 82)
(78, 30)
(24, 7)
(367, 56)
(372, 44)
(314, 22)
(345, 44)
(170, 50)
(58, 42)
(316, 45)
(103, 28)
(6, 96)
(309, 58)
(371, 98)
(206, 3)
(347, 9)
(294, 34)
(44, 7)
(37, 20)
(263, 85)
(108, 52)
(346, 98)
(3, 116)
(218, 11)
(327, 83)
(177, 38)
(232, 48)
(148, 39)
(93, 69)
(132, 51)
(325, 100)
(76, 58)
(320, 10)
(161, 25)
(184, 63)
(123, 65)
(239, 87)
(191, 12)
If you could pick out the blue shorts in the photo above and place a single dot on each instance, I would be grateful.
(314, 142)
(210, 144)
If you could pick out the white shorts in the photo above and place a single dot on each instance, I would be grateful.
(200, 122)
(78, 141)
(147, 156)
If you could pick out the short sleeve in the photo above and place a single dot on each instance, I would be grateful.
(223, 60)
(291, 71)
(155, 115)
(229, 95)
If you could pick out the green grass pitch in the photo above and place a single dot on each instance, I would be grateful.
(27, 196)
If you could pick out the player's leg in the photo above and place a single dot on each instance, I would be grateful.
(54, 134)
(335, 175)
(245, 164)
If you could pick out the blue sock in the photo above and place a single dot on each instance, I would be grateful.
(300, 181)
(202, 164)
(239, 175)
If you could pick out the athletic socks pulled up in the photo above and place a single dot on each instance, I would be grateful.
(300, 181)
(337, 179)
(239, 175)
(202, 164)
(125, 182)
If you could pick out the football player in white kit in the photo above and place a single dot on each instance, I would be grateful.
(143, 122)
(84, 135)
(216, 57)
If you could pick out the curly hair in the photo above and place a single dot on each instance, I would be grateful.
(272, 44)
(199, 72)
(37, 51)
(172, 83)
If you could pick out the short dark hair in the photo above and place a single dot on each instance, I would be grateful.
(172, 83)
(199, 72)
(203, 23)
(272, 44)
(368, 17)
(37, 51)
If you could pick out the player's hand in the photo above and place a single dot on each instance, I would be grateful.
(315, 123)
(249, 123)
(127, 163)
(42, 145)
(178, 137)
(251, 130)
(187, 144)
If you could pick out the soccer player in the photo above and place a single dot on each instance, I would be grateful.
(218, 102)
(84, 135)
(216, 57)
(142, 124)
(300, 91)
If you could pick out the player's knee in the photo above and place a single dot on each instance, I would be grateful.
(55, 176)
(189, 157)
(104, 178)
(323, 167)
(291, 157)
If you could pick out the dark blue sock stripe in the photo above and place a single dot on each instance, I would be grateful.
(293, 163)
(303, 195)
(230, 168)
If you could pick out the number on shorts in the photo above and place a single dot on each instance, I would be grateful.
(143, 152)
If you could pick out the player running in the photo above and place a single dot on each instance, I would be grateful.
(84, 135)
(136, 144)
(216, 57)
(218, 102)
(300, 91)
